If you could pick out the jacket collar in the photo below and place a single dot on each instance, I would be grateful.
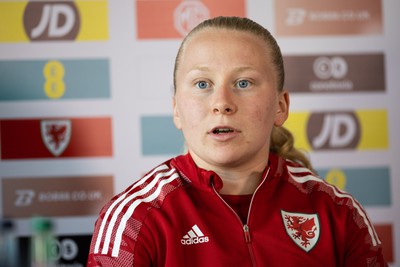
(206, 178)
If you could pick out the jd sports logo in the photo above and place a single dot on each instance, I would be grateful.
(51, 20)
(338, 130)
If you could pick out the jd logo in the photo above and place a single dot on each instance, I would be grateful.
(51, 20)
(336, 130)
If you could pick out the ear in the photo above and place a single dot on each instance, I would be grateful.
(177, 118)
(282, 112)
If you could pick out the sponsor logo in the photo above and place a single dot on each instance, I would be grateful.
(194, 236)
(302, 17)
(340, 130)
(24, 197)
(302, 228)
(53, 20)
(175, 18)
(50, 138)
(66, 250)
(325, 68)
(58, 196)
(375, 189)
(335, 73)
(54, 79)
(56, 135)
(54, 86)
(188, 14)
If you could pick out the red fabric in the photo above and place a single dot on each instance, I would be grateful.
(175, 217)
(240, 204)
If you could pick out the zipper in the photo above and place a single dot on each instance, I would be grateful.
(246, 231)
(226, 204)
(246, 228)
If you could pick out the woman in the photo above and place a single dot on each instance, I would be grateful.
(242, 195)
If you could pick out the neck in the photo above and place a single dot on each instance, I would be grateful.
(241, 182)
(238, 178)
(240, 185)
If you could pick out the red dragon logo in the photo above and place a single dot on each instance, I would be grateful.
(303, 229)
(56, 135)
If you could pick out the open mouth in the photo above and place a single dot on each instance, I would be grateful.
(222, 130)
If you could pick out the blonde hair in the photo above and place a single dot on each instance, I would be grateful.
(282, 141)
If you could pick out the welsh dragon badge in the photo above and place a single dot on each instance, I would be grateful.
(302, 228)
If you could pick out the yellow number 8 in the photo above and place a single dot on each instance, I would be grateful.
(53, 72)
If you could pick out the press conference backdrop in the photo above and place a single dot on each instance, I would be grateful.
(85, 102)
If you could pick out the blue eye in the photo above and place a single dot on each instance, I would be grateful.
(243, 83)
(202, 85)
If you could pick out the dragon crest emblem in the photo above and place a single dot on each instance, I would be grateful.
(302, 228)
(56, 135)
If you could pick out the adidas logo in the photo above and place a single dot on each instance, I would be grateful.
(194, 236)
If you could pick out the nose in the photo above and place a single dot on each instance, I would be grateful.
(223, 102)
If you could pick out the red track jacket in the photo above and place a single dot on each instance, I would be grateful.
(174, 216)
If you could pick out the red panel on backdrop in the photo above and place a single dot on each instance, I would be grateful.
(385, 233)
(50, 138)
(174, 19)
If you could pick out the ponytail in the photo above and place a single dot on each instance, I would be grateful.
(282, 144)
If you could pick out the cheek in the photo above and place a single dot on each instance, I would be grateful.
(262, 114)
(191, 113)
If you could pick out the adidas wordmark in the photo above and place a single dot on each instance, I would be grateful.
(194, 236)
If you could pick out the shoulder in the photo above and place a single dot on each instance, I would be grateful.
(309, 183)
(149, 190)
(121, 219)
(330, 197)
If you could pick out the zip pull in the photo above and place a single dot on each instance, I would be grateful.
(247, 233)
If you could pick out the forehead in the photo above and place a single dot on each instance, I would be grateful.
(213, 44)
(225, 36)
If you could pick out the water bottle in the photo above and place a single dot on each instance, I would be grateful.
(42, 242)
(8, 244)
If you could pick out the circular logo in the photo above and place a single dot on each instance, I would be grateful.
(325, 68)
(188, 14)
(66, 249)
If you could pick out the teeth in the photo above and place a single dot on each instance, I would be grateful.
(222, 130)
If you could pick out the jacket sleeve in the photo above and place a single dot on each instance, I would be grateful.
(131, 250)
(363, 246)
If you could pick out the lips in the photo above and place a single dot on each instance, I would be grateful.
(222, 130)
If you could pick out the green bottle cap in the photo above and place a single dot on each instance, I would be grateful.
(40, 224)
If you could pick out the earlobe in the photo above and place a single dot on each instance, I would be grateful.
(283, 108)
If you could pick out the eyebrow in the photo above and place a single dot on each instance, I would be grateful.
(201, 68)
(239, 69)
